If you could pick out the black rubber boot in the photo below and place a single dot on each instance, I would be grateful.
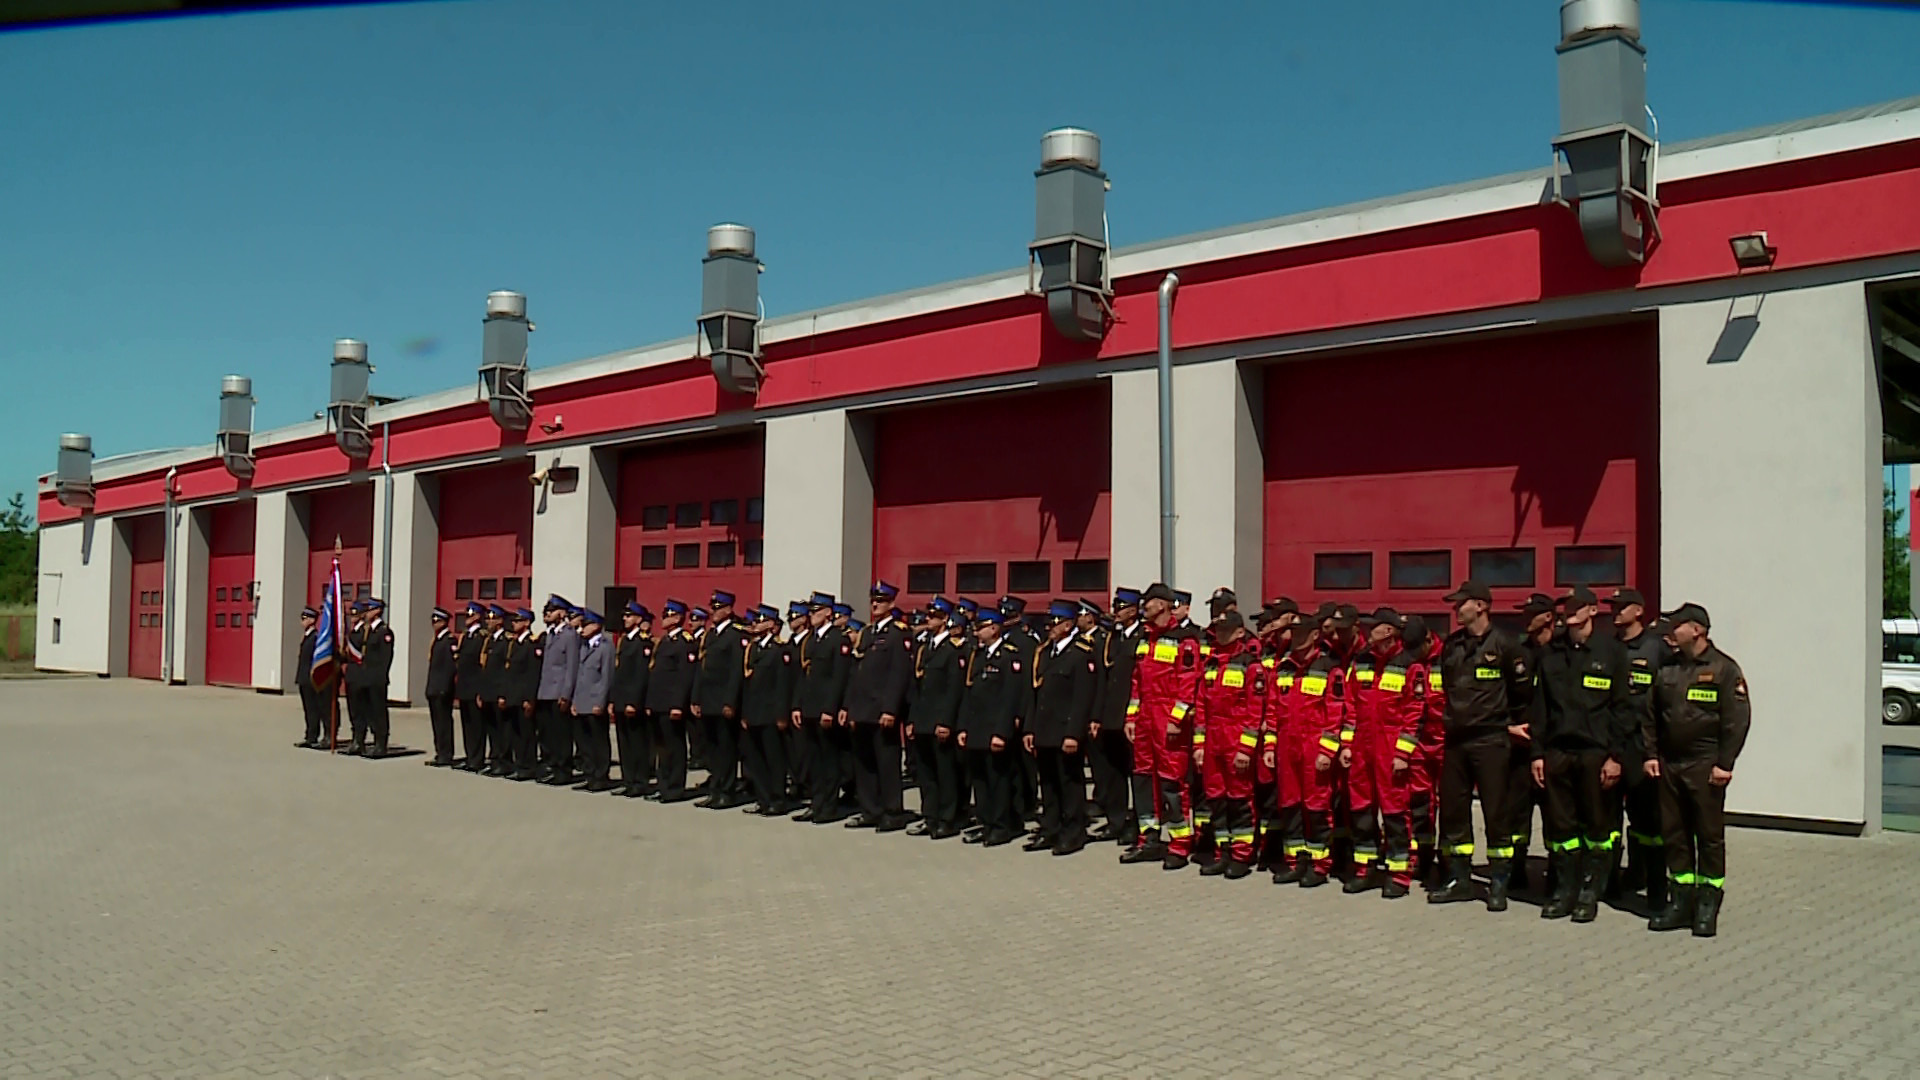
(1459, 882)
(1593, 880)
(1497, 871)
(1147, 852)
(1361, 881)
(1237, 870)
(1560, 903)
(1291, 870)
(1678, 914)
(1706, 911)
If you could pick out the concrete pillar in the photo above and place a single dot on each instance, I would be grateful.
(1135, 501)
(575, 528)
(1909, 500)
(407, 575)
(1770, 494)
(192, 528)
(1218, 511)
(80, 563)
(819, 507)
(280, 566)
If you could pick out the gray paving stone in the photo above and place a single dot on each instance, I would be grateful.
(186, 895)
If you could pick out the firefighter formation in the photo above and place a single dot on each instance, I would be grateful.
(1312, 746)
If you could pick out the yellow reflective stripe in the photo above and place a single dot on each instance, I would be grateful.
(1180, 710)
(1212, 675)
(1330, 744)
(1403, 745)
(1486, 673)
(1703, 693)
(1346, 734)
(1572, 844)
(1249, 739)
(1393, 681)
(1499, 853)
(1314, 685)
(1435, 681)
(1294, 848)
(1643, 678)
(1180, 831)
(1363, 857)
(1283, 682)
(1460, 849)
(1596, 682)
(1140, 649)
(1166, 652)
(1268, 663)
(1200, 737)
(1364, 675)
(1243, 837)
(1397, 866)
(1233, 677)
(1317, 852)
(1270, 738)
(1133, 706)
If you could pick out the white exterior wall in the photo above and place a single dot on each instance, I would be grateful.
(410, 580)
(280, 566)
(1218, 511)
(574, 532)
(818, 522)
(1770, 496)
(1135, 497)
(188, 615)
(85, 575)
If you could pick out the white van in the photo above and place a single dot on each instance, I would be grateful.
(1899, 670)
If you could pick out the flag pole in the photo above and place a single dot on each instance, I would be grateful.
(334, 680)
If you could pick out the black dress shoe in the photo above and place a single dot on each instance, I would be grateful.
(997, 838)
(1069, 845)
(943, 832)
(806, 814)
(676, 796)
(1038, 842)
(892, 823)
(306, 744)
(973, 836)
(831, 817)
(355, 750)
(862, 821)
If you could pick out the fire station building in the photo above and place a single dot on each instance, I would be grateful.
(1678, 369)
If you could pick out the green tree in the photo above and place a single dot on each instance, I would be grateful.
(19, 553)
(1896, 585)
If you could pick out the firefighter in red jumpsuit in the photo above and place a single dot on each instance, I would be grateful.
(1275, 622)
(1308, 683)
(1228, 718)
(1430, 752)
(1166, 680)
(1386, 692)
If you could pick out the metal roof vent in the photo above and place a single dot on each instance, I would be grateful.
(348, 405)
(73, 474)
(730, 308)
(503, 360)
(1610, 174)
(1070, 234)
(234, 439)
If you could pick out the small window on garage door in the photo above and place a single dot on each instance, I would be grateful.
(926, 579)
(976, 577)
(1029, 577)
(1343, 570)
(1420, 570)
(1084, 576)
(1590, 565)
(1501, 568)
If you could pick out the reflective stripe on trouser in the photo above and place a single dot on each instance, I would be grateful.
(1233, 830)
(1693, 809)
(1176, 815)
(1476, 764)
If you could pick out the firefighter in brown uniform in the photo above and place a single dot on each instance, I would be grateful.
(1488, 680)
(1697, 727)
(1647, 653)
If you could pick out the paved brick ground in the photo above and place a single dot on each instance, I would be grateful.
(183, 894)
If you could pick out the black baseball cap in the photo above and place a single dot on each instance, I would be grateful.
(1159, 590)
(1222, 599)
(1383, 615)
(1470, 590)
(1579, 597)
(1622, 597)
(1345, 615)
(1325, 611)
(1689, 612)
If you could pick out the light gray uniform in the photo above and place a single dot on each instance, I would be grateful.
(595, 674)
(560, 664)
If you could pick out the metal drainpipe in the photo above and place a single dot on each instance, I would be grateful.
(166, 594)
(1168, 286)
(386, 534)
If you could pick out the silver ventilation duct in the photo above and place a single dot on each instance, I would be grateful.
(1609, 178)
(730, 308)
(73, 472)
(1070, 234)
(234, 438)
(348, 404)
(503, 360)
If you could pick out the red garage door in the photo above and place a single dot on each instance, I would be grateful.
(486, 536)
(147, 539)
(1528, 461)
(1035, 522)
(230, 594)
(345, 513)
(690, 517)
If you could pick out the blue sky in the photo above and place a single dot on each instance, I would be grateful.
(187, 198)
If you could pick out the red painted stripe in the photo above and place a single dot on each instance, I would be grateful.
(1818, 211)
